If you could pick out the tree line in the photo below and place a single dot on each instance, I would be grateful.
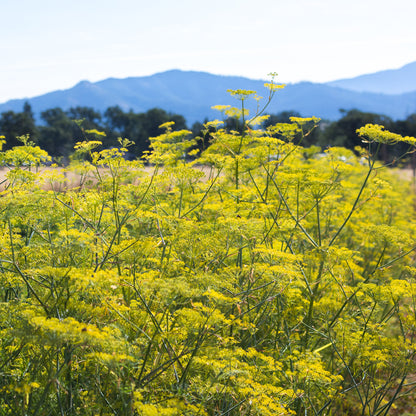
(59, 130)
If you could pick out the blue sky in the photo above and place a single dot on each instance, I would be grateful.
(53, 44)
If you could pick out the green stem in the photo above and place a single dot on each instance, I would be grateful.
(309, 317)
(318, 221)
(370, 170)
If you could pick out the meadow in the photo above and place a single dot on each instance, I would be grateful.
(279, 280)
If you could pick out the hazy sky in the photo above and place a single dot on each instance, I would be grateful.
(53, 44)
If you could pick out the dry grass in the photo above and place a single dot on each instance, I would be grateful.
(406, 173)
(73, 179)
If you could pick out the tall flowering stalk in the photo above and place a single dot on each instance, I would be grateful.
(273, 280)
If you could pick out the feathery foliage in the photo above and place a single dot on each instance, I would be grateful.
(275, 280)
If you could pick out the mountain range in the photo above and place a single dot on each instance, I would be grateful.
(390, 81)
(192, 94)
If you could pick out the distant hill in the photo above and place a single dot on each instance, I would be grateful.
(192, 94)
(391, 81)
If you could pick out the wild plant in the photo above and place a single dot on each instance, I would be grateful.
(279, 280)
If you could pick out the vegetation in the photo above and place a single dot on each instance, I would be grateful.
(275, 280)
(59, 130)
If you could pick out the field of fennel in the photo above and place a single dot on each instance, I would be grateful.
(279, 281)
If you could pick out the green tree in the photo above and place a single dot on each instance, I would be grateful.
(203, 133)
(406, 127)
(138, 127)
(126, 125)
(311, 138)
(343, 132)
(282, 117)
(13, 125)
(91, 118)
(59, 134)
